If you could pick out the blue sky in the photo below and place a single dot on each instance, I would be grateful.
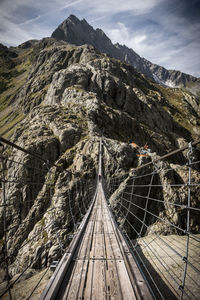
(166, 32)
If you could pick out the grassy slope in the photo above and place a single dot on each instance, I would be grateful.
(178, 108)
(13, 74)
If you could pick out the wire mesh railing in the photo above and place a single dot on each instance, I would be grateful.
(157, 207)
(33, 219)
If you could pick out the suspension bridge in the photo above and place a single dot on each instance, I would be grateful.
(108, 253)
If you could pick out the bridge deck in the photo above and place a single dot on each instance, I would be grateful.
(98, 264)
(98, 270)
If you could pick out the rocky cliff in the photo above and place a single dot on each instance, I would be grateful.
(78, 32)
(57, 100)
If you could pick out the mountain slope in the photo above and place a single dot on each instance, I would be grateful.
(77, 32)
(70, 96)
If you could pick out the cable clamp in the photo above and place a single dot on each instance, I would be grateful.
(190, 152)
(184, 258)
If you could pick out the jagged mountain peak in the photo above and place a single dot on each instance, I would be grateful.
(79, 32)
(73, 18)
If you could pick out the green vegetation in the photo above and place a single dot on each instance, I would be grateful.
(36, 98)
(42, 222)
(9, 121)
(45, 236)
(1, 242)
(14, 70)
(177, 107)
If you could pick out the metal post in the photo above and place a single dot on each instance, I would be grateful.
(81, 193)
(185, 258)
(4, 219)
(49, 177)
(145, 209)
(76, 194)
(130, 202)
(71, 213)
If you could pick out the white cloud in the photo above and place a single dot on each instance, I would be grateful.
(175, 44)
(123, 35)
(115, 6)
(13, 33)
(167, 52)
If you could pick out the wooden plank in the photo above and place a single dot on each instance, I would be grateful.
(125, 283)
(98, 247)
(97, 289)
(84, 250)
(89, 282)
(112, 247)
(77, 281)
(137, 279)
(99, 227)
(108, 227)
(112, 282)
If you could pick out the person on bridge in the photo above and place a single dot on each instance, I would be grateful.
(142, 151)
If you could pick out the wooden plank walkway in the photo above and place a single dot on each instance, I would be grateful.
(98, 264)
(98, 269)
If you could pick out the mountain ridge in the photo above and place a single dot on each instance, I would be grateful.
(79, 32)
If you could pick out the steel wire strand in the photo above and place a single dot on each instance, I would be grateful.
(132, 189)
(195, 252)
(21, 202)
(167, 185)
(159, 218)
(25, 165)
(146, 204)
(139, 234)
(164, 202)
(76, 189)
(72, 218)
(158, 236)
(163, 264)
(186, 206)
(190, 150)
(143, 263)
(21, 274)
(85, 205)
(174, 250)
(175, 168)
(36, 286)
(181, 267)
(25, 182)
(69, 221)
(40, 214)
(155, 172)
(178, 264)
(167, 269)
(184, 231)
(41, 232)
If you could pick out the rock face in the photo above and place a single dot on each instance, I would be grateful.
(77, 32)
(70, 97)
